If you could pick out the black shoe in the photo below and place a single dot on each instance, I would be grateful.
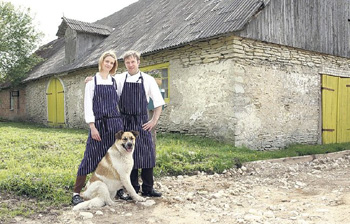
(152, 193)
(76, 199)
(123, 196)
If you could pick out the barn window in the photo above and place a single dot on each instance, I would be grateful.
(161, 73)
(15, 93)
(12, 101)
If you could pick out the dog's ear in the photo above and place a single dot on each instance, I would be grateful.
(135, 133)
(119, 135)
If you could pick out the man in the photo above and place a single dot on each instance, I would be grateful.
(135, 88)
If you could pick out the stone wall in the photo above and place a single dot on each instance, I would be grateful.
(260, 95)
(36, 104)
(74, 97)
(73, 85)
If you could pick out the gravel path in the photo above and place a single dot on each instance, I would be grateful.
(308, 189)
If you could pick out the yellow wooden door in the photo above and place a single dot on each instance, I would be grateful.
(55, 103)
(329, 108)
(51, 103)
(343, 132)
(335, 109)
(60, 104)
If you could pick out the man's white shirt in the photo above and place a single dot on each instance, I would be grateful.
(150, 84)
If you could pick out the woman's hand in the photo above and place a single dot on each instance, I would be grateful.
(94, 132)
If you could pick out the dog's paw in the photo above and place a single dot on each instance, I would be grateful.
(139, 198)
(111, 203)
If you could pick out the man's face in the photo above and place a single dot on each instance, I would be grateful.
(132, 65)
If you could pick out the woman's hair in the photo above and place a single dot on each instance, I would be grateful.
(133, 54)
(102, 58)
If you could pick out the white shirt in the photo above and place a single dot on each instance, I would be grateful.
(150, 84)
(89, 95)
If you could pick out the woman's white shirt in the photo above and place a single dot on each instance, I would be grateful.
(89, 95)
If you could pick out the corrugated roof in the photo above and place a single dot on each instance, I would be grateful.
(168, 23)
(83, 27)
(153, 25)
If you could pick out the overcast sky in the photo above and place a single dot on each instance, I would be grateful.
(47, 14)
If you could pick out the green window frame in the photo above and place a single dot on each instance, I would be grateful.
(160, 71)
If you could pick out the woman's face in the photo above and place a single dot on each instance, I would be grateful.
(108, 64)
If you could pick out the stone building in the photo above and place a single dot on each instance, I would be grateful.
(258, 73)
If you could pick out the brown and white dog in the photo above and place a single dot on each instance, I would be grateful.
(112, 173)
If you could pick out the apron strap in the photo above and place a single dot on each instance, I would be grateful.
(114, 83)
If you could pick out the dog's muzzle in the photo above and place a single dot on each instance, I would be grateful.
(128, 146)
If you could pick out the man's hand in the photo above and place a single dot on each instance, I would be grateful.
(153, 122)
(149, 125)
(87, 79)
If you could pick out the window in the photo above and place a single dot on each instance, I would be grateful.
(160, 72)
(12, 101)
(13, 94)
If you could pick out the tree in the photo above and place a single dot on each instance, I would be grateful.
(18, 40)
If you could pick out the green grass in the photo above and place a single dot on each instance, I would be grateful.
(41, 163)
(180, 154)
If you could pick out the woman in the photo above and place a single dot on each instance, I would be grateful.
(102, 115)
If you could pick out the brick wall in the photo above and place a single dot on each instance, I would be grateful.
(18, 113)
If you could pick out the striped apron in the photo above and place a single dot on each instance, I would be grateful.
(107, 121)
(133, 109)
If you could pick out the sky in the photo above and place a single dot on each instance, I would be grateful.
(48, 14)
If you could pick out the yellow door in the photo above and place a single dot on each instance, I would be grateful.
(55, 103)
(60, 103)
(343, 132)
(335, 109)
(51, 103)
(329, 108)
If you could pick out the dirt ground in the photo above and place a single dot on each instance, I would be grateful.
(309, 189)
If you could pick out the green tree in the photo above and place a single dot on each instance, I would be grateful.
(18, 40)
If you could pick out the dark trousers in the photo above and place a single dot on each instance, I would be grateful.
(147, 179)
(79, 183)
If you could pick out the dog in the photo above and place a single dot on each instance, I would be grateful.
(112, 174)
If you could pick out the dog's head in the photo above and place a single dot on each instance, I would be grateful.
(126, 139)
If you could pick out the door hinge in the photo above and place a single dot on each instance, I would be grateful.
(323, 129)
(327, 88)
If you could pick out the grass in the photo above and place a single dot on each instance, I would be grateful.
(179, 154)
(41, 163)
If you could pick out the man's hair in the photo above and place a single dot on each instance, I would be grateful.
(103, 56)
(131, 53)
